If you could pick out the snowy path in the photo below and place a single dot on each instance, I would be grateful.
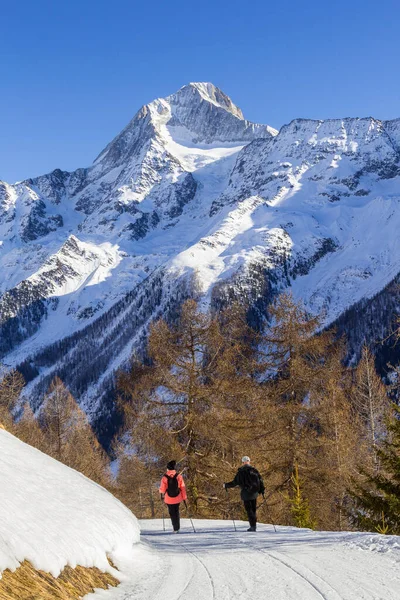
(218, 563)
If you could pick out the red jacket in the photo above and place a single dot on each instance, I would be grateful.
(182, 489)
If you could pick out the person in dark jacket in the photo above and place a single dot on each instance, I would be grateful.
(251, 484)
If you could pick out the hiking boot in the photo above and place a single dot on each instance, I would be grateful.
(252, 529)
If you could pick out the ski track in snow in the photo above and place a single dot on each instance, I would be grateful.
(217, 563)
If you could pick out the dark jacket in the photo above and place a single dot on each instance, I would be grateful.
(240, 480)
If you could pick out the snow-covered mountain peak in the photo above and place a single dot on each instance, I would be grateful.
(196, 113)
(208, 92)
(210, 116)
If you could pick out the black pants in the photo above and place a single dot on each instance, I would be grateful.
(173, 510)
(251, 509)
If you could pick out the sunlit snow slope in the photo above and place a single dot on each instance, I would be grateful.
(53, 516)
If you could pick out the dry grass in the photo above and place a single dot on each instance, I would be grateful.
(27, 583)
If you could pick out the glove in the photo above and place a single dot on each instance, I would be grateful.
(162, 497)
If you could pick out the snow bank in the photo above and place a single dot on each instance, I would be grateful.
(52, 516)
(374, 542)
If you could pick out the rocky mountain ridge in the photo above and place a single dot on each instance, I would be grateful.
(191, 195)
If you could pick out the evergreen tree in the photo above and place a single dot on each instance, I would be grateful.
(377, 500)
(300, 508)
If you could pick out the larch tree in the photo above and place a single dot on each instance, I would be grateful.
(341, 447)
(371, 402)
(68, 435)
(211, 390)
(181, 404)
(56, 418)
(28, 430)
(11, 385)
(136, 484)
(294, 354)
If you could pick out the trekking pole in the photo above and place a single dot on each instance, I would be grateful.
(230, 509)
(269, 514)
(163, 515)
(188, 513)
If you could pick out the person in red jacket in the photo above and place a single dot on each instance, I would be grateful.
(173, 492)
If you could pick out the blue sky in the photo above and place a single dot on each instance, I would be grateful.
(73, 73)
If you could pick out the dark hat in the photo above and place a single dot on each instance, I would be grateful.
(171, 465)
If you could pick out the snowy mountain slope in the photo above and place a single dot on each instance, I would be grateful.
(138, 179)
(219, 563)
(53, 516)
(191, 190)
(329, 192)
(139, 185)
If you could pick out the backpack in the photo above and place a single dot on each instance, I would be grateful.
(251, 480)
(173, 486)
